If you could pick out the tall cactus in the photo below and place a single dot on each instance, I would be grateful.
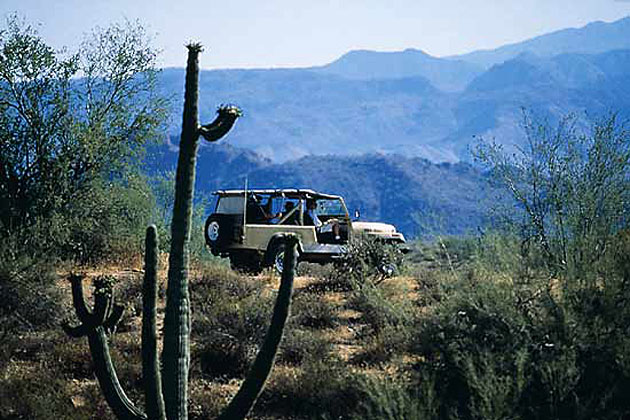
(150, 363)
(166, 391)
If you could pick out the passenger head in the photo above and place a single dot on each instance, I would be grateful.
(311, 204)
(289, 205)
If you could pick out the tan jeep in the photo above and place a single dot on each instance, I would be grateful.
(246, 225)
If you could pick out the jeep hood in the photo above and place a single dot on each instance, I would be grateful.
(373, 227)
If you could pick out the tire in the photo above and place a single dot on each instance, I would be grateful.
(212, 231)
(245, 262)
(275, 256)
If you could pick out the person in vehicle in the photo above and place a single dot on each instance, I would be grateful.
(256, 212)
(323, 229)
(293, 218)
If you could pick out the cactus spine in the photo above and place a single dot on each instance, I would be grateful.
(166, 391)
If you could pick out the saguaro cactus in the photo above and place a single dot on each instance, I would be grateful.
(167, 397)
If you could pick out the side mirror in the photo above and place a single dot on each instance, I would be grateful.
(357, 214)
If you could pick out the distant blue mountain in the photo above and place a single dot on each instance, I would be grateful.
(448, 75)
(594, 38)
(416, 105)
(293, 113)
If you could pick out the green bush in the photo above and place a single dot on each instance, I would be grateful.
(388, 399)
(230, 318)
(75, 195)
(320, 389)
(570, 189)
(30, 298)
(367, 257)
(498, 348)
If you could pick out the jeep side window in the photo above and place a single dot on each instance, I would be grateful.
(230, 205)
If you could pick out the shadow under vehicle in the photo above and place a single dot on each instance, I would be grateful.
(246, 226)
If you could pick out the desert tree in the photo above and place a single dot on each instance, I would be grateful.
(70, 121)
(570, 185)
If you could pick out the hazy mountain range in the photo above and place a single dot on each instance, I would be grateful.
(411, 103)
(374, 126)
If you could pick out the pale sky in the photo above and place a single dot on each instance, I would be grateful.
(296, 33)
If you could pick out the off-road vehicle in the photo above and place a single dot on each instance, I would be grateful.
(246, 225)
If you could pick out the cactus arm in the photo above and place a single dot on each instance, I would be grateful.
(251, 388)
(101, 305)
(226, 117)
(113, 319)
(150, 363)
(176, 353)
(75, 332)
(115, 396)
(93, 325)
(78, 299)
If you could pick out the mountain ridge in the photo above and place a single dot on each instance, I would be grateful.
(394, 106)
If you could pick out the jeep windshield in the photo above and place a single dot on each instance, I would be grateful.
(331, 208)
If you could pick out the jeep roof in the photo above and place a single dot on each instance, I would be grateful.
(287, 192)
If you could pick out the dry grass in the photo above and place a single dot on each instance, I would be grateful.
(336, 339)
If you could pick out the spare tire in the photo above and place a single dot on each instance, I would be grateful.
(212, 231)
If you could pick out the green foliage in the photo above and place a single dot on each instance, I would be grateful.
(517, 344)
(70, 126)
(571, 188)
(230, 317)
(301, 345)
(322, 388)
(368, 258)
(313, 311)
(387, 399)
(29, 296)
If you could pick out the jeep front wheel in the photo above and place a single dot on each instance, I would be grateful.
(275, 257)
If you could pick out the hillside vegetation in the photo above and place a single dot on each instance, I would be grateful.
(527, 319)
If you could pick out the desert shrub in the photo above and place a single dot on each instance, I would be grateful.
(381, 347)
(388, 399)
(493, 347)
(29, 397)
(72, 357)
(316, 271)
(570, 190)
(106, 221)
(74, 194)
(230, 318)
(299, 346)
(367, 257)
(321, 388)
(128, 292)
(475, 346)
(314, 311)
(29, 296)
(223, 357)
(378, 308)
